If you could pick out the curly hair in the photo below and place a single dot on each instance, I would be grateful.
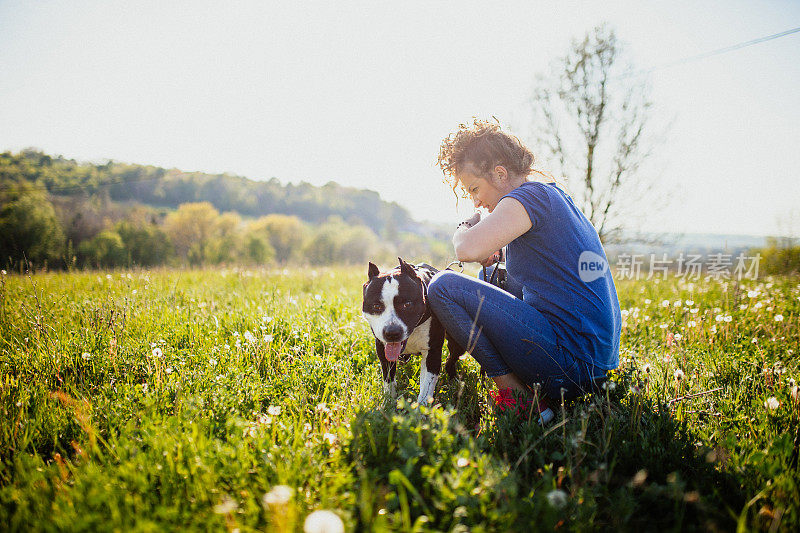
(480, 147)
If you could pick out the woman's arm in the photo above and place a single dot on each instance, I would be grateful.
(505, 223)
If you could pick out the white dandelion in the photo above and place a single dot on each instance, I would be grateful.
(274, 410)
(679, 375)
(278, 496)
(86, 356)
(330, 438)
(557, 498)
(158, 353)
(778, 318)
(772, 403)
(323, 521)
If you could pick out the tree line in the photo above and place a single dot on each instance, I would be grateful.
(64, 214)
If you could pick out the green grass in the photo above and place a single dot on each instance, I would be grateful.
(138, 401)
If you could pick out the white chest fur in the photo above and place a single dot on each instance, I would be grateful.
(418, 340)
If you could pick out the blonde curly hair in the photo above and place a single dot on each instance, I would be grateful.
(478, 148)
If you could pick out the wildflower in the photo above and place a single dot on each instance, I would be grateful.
(503, 398)
(609, 385)
(266, 319)
(268, 338)
(727, 318)
(695, 310)
(713, 329)
(462, 462)
(754, 341)
(752, 294)
(665, 303)
(306, 427)
(691, 323)
(226, 506)
(689, 303)
(758, 305)
(719, 318)
(330, 437)
(4, 272)
(318, 297)
(86, 356)
(677, 303)
(212, 362)
(778, 318)
(144, 387)
(663, 326)
(648, 301)
(742, 307)
(557, 498)
(157, 353)
(678, 336)
(249, 337)
(168, 370)
(274, 410)
(679, 375)
(772, 403)
(647, 368)
(323, 521)
(322, 408)
(278, 496)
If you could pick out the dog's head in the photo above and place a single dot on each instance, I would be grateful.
(394, 303)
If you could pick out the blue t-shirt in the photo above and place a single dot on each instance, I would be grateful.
(565, 274)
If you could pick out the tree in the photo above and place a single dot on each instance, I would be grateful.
(192, 229)
(145, 244)
(286, 235)
(29, 229)
(591, 117)
(105, 249)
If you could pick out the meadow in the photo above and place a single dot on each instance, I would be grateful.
(245, 399)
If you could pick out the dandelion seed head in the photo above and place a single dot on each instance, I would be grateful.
(557, 498)
(778, 318)
(274, 410)
(330, 438)
(772, 403)
(462, 462)
(679, 375)
(278, 495)
(323, 521)
(86, 356)
(158, 353)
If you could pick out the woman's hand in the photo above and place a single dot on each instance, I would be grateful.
(492, 259)
(478, 243)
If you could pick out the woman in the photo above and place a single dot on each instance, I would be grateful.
(556, 329)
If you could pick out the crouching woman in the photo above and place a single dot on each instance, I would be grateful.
(558, 325)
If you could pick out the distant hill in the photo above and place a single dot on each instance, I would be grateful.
(168, 188)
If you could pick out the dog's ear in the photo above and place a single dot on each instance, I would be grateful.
(372, 271)
(405, 268)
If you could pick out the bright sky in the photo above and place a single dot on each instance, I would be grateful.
(362, 93)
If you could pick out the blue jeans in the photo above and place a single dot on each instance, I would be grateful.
(506, 335)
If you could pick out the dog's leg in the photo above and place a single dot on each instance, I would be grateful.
(431, 364)
(388, 370)
(456, 351)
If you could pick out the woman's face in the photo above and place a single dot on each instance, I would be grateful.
(484, 192)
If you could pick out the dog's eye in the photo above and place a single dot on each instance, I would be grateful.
(407, 304)
(377, 307)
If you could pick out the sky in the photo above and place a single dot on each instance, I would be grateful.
(362, 93)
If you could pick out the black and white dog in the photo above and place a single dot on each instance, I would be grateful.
(396, 307)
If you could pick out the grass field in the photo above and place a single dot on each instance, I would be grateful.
(246, 399)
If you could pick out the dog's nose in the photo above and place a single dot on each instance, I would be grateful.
(392, 333)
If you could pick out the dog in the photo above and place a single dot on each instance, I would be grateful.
(396, 307)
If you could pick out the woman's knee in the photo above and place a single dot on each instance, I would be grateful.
(441, 284)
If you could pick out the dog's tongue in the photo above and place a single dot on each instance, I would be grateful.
(392, 350)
